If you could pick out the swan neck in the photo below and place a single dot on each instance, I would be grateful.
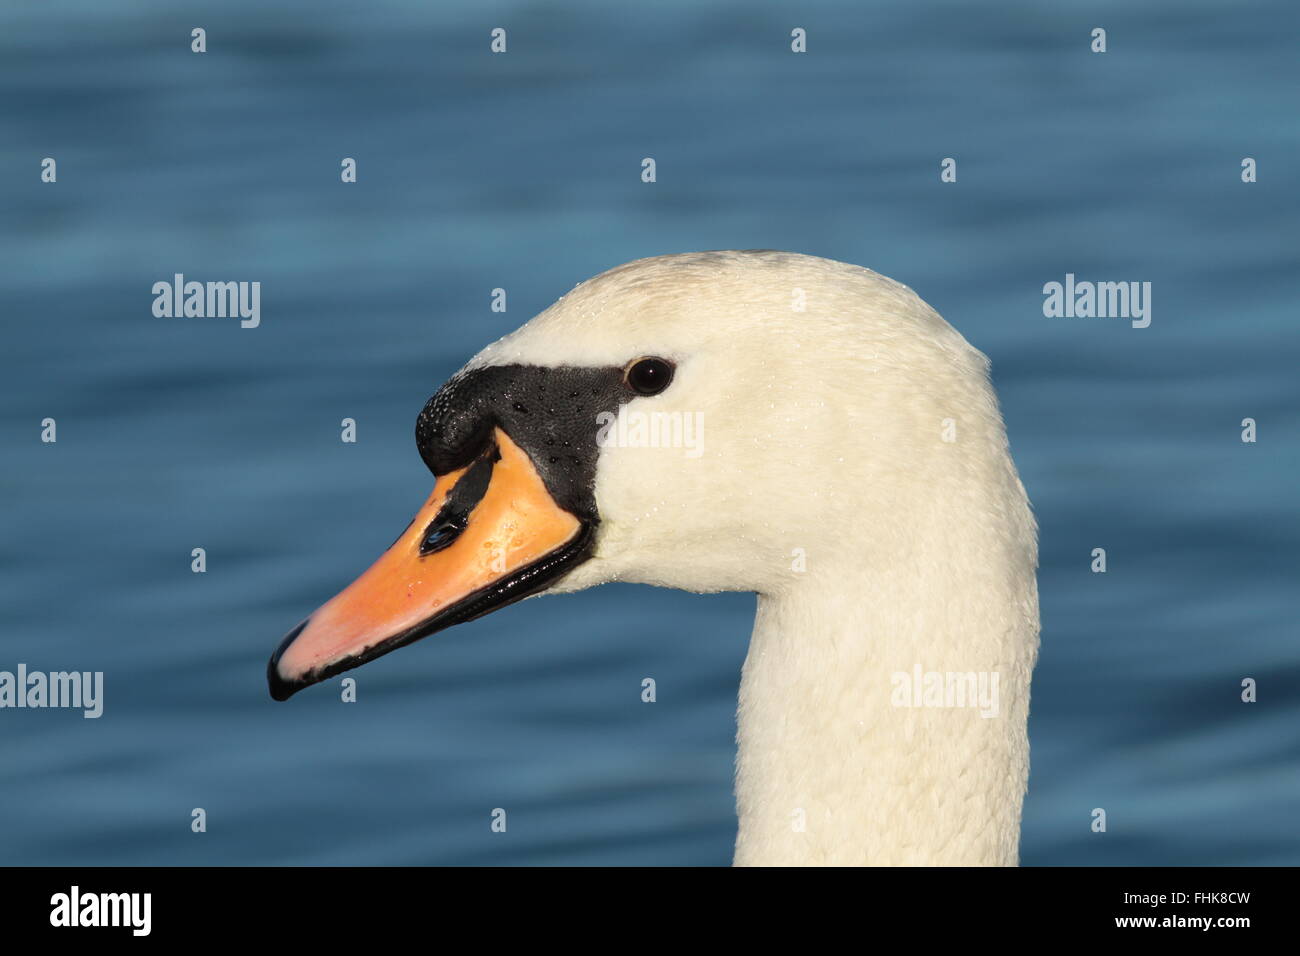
(882, 720)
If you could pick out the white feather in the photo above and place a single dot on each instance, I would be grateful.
(824, 430)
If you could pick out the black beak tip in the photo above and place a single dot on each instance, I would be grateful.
(280, 688)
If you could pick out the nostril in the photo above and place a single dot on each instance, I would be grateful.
(442, 533)
(453, 518)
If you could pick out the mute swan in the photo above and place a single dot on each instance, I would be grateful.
(853, 471)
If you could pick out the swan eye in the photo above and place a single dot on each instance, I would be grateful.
(649, 376)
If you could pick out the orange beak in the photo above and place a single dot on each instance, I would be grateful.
(489, 535)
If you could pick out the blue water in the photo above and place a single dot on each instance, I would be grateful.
(522, 171)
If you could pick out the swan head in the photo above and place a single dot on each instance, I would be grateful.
(703, 421)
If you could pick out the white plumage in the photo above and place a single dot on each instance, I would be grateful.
(854, 472)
